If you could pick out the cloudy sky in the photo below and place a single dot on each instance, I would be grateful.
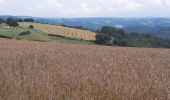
(86, 8)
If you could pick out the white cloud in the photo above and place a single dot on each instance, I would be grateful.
(3, 2)
(54, 4)
(110, 8)
(158, 3)
(120, 5)
(155, 3)
(86, 8)
(46, 5)
(132, 5)
(44, 8)
(167, 2)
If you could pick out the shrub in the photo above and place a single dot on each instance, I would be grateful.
(104, 39)
(31, 26)
(25, 33)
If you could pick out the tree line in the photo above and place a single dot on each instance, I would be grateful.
(13, 22)
(76, 27)
(112, 36)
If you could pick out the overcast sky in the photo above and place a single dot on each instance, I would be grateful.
(86, 8)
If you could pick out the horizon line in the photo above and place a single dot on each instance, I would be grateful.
(137, 17)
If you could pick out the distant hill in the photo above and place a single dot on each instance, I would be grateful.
(9, 16)
(156, 26)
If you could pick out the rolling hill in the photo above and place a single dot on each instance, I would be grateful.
(61, 31)
(155, 26)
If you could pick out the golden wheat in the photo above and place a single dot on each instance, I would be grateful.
(49, 71)
(63, 31)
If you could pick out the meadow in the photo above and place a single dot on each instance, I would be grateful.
(38, 35)
(54, 71)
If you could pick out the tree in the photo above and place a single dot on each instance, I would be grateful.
(25, 33)
(1, 21)
(12, 22)
(116, 36)
(104, 39)
(20, 20)
(31, 26)
(114, 32)
(120, 42)
(28, 20)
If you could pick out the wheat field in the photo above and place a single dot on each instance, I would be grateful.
(50, 71)
(62, 31)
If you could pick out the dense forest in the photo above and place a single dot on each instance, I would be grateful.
(118, 37)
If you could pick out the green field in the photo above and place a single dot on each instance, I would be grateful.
(37, 35)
